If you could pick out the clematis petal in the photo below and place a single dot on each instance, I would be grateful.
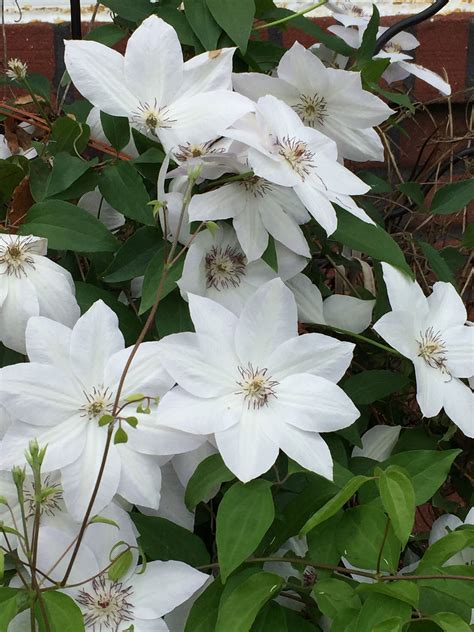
(378, 443)
(221, 203)
(348, 312)
(193, 121)
(179, 582)
(20, 304)
(245, 448)
(313, 403)
(318, 205)
(282, 227)
(152, 437)
(29, 388)
(430, 388)
(446, 307)
(459, 343)
(251, 232)
(268, 319)
(306, 448)
(207, 72)
(211, 319)
(196, 415)
(140, 477)
(255, 85)
(95, 338)
(308, 299)
(404, 294)
(48, 342)
(315, 354)
(301, 68)
(199, 363)
(97, 71)
(153, 64)
(428, 76)
(146, 374)
(80, 477)
(399, 330)
(355, 144)
(459, 405)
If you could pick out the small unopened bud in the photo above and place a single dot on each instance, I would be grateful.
(35, 455)
(16, 69)
(18, 475)
(194, 172)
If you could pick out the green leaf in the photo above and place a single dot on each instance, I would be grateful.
(442, 550)
(120, 566)
(322, 544)
(437, 263)
(10, 600)
(414, 191)
(87, 294)
(373, 70)
(62, 613)
(152, 280)
(380, 608)
(133, 10)
(40, 85)
(116, 130)
(10, 177)
(367, 47)
(450, 622)
(335, 504)
(164, 540)
(235, 18)
(209, 475)
(370, 386)
(403, 591)
(240, 608)
(360, 537)
(47, 183)
(296, 622)
(394, 624)
(203, 24)
(450, 594)
(120, 436)
(203, 614)
(68, 227)
(452, 198)
(123, 188)
(180, 23)
(68, 135)
(173, 315)
(372, 240)
(134, 256)
(468, 237)
(107, 34)
(271, 619)
(270, 254)
(398, 499)
(244, 516)
(378, 185)
(332, 595)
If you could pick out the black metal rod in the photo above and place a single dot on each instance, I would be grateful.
(76, 25)
(407, 22)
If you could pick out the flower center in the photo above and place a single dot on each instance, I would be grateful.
(297, 155)
(98, 403)
(149, 117)
(256, 386)
(16, 256)
(189, 150)
(224, 267)
(50, 502)
(258, 187)
(16, 69)
(311, 109)
(392, 47)
(107, 604)
(432, 349)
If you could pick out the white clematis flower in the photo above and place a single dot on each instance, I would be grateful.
(401, 65)
(31, 285)
(163, 97)
(431, 332)
(327, 99)
(256, 385)
(73, 378)
(141, 599)
(258, 208)
(340, 311)
(286, 152)
(378, 442)
(216, 267)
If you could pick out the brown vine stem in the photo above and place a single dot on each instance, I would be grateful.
(116, 407)
(345, 571)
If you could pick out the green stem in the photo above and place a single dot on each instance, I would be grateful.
(291, 17)
(237, 178)
(369, 341)
(36, 102)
